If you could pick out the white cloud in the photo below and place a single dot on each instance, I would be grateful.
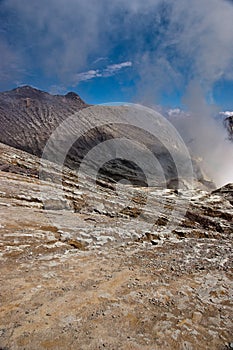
(227, 113)
(187, 39)
(109, 71)
(100, 59)
(174, 112)
(114, 68)
(87, 75)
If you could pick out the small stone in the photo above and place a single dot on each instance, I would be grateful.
(148, 236)
(197, 316)
(77, 244)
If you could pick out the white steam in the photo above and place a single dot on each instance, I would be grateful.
(206, 136)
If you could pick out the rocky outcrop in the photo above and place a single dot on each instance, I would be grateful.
(226, 192)
(228, 122)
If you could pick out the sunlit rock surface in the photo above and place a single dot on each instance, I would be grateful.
(96, 266)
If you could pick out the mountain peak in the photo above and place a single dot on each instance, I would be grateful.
(26, 88)
(72, 95)
(26, 91)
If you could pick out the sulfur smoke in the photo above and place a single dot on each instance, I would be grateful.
(204, 132)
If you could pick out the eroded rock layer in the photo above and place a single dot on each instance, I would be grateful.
(96, 266)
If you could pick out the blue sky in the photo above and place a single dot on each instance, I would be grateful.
(133, 51)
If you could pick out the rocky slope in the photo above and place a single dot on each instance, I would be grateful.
(83, 268)
(28, 117)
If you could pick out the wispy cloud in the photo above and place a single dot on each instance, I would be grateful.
(115, 68)
(91, 74)
(100, 59)
(108, 71)
(172, 41)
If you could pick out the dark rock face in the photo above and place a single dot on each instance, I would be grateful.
(28, 116)
(72, 95)
(228, 122)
